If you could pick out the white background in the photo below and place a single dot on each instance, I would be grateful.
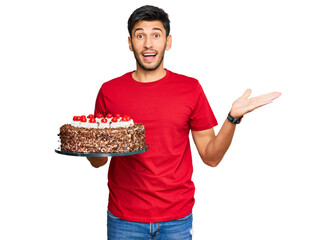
(277, 181)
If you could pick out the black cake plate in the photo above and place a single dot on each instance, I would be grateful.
(112, 154)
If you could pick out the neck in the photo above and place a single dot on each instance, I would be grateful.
(142, 75)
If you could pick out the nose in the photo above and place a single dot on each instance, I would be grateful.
(148, 43)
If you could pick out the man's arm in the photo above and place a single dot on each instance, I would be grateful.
(97, 161)
(211, 147)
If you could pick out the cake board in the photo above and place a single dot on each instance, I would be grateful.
(112, 154)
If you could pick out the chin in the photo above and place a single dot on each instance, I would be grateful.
(150, 67)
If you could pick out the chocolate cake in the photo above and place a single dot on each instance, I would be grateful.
(102, 135)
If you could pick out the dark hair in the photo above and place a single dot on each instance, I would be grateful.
(148, 13)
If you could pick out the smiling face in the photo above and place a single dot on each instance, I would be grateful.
(149, 43)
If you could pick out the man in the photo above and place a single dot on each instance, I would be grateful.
(151, 194)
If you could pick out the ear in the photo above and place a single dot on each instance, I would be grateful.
(130, 44)
(169, 42)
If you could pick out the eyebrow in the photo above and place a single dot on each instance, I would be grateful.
(159, 29)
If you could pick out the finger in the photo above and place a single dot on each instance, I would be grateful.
(273, 95)
(276, 94)
(270, 96)
(247, 93)
(259, 103)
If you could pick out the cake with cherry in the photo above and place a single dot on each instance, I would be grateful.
(102, 134)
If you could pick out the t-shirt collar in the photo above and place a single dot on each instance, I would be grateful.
(148, 84)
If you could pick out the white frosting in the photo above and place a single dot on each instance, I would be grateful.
(92, 125)
(122, 124)
(84, 124)
(98, 120)
(104, 125)
(99, 124)
(75, 123)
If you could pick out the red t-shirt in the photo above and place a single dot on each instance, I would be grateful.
(155, 186)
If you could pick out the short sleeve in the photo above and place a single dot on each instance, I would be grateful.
(202, 116)
(100, 106)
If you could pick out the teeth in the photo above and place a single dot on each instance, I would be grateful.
(147, 55)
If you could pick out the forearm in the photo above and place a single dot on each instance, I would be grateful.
(218, 145)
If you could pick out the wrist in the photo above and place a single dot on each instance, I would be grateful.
(235, 114)
(232, 118)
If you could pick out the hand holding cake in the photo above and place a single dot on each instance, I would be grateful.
(97, 161)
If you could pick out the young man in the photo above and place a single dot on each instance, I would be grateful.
(151, 194)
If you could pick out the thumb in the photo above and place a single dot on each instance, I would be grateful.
(247, 93)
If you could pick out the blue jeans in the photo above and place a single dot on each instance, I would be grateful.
(118, 229)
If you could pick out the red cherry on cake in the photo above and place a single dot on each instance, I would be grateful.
(90, 116)
(99, 115)
(83, 118)
(104, 120)
(115, 119)
(92, 120)
(109, 115)
(75, 118)
(117, 115)
(126, 118)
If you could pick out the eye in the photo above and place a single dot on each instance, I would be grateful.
(140, 36)
(156, 35)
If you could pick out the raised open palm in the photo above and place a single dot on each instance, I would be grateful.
(244, 104)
